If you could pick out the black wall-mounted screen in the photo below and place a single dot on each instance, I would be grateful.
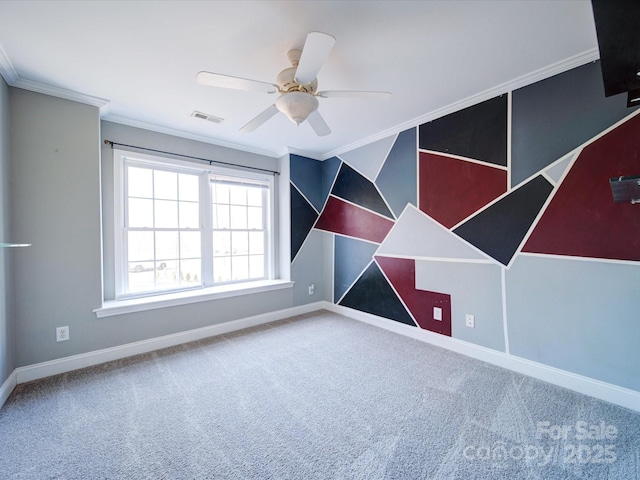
(618, 31)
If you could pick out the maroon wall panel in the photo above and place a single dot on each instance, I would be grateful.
(582, 219)
(401, 273)
(450, 189)
(339, 216)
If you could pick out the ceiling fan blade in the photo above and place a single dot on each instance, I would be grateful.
(227, 81)
(315, 51)
(353, 94)
(318, 124)
(260, 119)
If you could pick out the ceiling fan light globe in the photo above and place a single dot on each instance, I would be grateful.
(297, 105)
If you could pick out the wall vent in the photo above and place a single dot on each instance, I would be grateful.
(206, 116)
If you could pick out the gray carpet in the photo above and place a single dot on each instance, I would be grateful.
(318, 396)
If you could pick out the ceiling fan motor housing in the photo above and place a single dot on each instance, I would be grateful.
(286, 80)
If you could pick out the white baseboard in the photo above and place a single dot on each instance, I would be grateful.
(67, 364)
(604, 391)
(7, 387)
(588, 386)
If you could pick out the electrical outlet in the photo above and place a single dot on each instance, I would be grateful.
(437, 313)
(311, 288)
(470, 321)
(62, 334)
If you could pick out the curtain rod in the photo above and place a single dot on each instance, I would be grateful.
(211, 162)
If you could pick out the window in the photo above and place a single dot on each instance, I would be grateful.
(183, 226)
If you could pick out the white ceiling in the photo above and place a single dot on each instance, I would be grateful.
(139, 60)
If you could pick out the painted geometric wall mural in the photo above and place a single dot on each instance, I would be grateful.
(330, 169)
(451, 189)
(303, 216)
(397, 178)
(499, 229)
(565, 110)
(345, 218)
(306, 175)
(373, 294)
(355, 188)
(351, 256)
(415, 235)
(581, 219)
(557, 169)
(368, 159)
(436, 216)
(401, 272)
(478, 132)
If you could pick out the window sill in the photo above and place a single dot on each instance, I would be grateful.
(121, 307)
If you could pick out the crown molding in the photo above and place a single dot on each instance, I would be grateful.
(530, 78)
(59, 92)
(6, 68)
(14, 80)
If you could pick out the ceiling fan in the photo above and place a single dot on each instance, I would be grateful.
(297, 86)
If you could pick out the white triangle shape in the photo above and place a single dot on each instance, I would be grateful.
(557, 169)
(368, 160)
(416, 235)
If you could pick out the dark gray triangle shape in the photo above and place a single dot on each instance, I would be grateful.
(357, 189)
(499, 230)
(373, 294)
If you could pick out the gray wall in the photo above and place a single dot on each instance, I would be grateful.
(311, 267)
(56, 172)
(577, 315)
(6, 319)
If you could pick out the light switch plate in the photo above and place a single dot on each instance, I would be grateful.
(437, 313)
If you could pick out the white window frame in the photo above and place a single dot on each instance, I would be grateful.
(205, 172)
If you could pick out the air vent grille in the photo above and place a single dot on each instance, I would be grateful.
(206, 116)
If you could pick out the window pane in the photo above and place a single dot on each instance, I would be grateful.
(222, 269)
(254, 196)
(140, 213)
(190, 245)
(256, 266)
(189, 215)
(140, 246)
(254, 218)
(221, 243)
(167, 274)
(237, 195)
(239, 243)
(165, 185)
(189, 187)
(190, 273)
(140, 276)
(139, 182)
(221, 216)
(240, 268)
(166, 245)
(166, 214)
(256, 243)
(221, 193)
(238, 217)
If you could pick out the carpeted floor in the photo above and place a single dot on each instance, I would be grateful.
(317, 396)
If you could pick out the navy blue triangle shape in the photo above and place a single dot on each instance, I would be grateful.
(303, 217)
